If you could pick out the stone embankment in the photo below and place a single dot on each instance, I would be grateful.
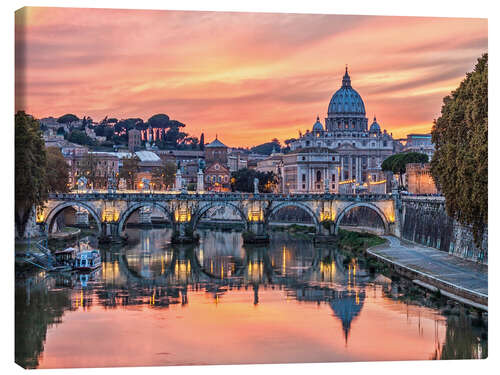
(453, 277)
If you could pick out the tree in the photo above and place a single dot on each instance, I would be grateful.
(88, 169)
(30, 164)
(157, 178)
(202, 142)
(80, 137)
(129, 171)
(60, 130)
(57, 171)
(267, 148)
(170, 170)
(173, 136)
(242, 180)
(67, 118)
(460, 163)
(397, 163)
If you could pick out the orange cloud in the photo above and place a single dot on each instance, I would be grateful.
(247, 76)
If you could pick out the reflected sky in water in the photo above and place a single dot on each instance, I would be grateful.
(220, 302)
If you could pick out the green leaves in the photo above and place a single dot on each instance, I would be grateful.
(397, 163)
(460, 163)
(57, 171)
(30, 168)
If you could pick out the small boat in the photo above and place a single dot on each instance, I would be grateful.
(88, 260)
(66, 257)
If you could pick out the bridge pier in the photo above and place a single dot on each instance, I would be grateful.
(325, 232)
(109, 233)
(183, 232)
(256, 233)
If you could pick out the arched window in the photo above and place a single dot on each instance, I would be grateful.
(318, 176)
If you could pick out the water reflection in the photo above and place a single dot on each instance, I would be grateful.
(151, 294)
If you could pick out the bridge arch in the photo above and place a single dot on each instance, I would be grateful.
(304, 207)
(203, 210)
(134, 207)
(362, 204)
(58, 208)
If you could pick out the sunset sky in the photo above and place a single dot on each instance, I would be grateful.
(248, 77)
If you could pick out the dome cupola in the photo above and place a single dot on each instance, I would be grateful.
(317, 127)
(375, 127)
(346, 101)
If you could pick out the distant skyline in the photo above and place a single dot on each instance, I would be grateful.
(248, 77)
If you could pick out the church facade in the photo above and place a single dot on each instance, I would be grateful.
(343, 155)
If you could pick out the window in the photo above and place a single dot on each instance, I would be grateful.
(303, 178)
(333, 177)
(303, 158)
(318, 176)
(385, 143)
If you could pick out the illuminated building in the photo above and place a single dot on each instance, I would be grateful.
(345, 149)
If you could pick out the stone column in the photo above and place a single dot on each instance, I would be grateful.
(341, 177)
(178, 180)
(199, 181)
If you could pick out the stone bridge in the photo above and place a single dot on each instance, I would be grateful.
(111, 210)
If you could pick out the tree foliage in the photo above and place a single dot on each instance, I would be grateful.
(460, 163)
(267, 148)
(242, 181)
(57, 171)
(129, 171)
(67, 118)
(397, 163)
(30, 164)
(80, 137)
(169, 171)
(88, 169)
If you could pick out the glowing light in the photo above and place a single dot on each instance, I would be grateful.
(40, 215)
(182, 215)
(255, 215)
(109, 216)
(327, 215)
(378, 182)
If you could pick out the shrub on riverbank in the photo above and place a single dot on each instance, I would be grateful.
(357, 242)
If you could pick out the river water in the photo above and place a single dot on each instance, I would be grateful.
(219, 302)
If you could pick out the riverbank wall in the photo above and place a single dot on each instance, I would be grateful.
(430, 282)
(424, 221)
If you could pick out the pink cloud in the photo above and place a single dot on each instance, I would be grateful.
(246, 76)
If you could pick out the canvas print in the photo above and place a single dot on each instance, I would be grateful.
(197, 188)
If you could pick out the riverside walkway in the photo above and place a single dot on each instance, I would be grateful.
(456, 278)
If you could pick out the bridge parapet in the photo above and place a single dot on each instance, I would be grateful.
(184, 210)
(218, 197)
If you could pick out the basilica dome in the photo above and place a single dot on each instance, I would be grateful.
(374, 127)
(317, 127)
(346, 100)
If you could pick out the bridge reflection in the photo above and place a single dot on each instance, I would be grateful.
(150, 272)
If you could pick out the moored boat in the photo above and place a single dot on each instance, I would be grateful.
(88, 260)
(66, 257)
